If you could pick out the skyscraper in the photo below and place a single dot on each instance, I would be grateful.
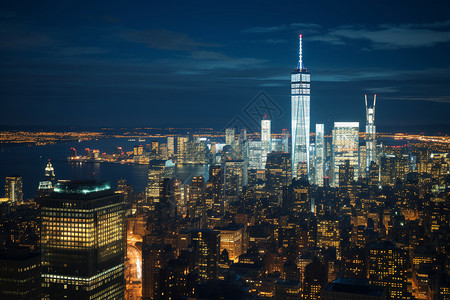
(278, 173)
(345, 147)
(170, 146)
(300, 103)
(46, 185)
(285, 140)
(157, 171)
(230, 136)
(14, 189)
(320, 154)
(235, 177)
(266, 141)
(388, 267)
(206, 246)
(182, 149)
(83, 242)
(254, 155)
(371, 133)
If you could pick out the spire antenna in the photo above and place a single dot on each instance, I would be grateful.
(374, 100)
(300, 54)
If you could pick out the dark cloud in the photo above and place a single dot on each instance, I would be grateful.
(388, 36)
(282, 27)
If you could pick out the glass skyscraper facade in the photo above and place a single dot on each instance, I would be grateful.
(300, 106)
(320, 154)
(83, 242)
(345, 147)
(266, 141)
(371, 134)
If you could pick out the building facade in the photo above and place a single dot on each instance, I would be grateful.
(319, 161)
(83, 242)
(300, 113)
(371, 134)
(345, 147)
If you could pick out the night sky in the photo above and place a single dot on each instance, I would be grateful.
(199, 63)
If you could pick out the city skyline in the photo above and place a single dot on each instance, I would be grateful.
(144, 68)
(174, 151)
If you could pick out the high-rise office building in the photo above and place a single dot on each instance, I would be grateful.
(170, 146)
(182, 149)
(14, 189)
(300, 103)
(278, 173)
(232, 239)
(20, 274)
(157, 171)
(345, 147)
(235, 177)
(83, 242)
(285, 141)
(371, 133)
(266, 141)
(206, 246)
(138, 150)
(319, 160)
(346, 174)
(47, 184)
(230, 136)
(328, 234)
(388, 267)
(254, 155)
(196, 205)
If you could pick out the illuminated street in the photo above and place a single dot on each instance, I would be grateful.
(133, 273)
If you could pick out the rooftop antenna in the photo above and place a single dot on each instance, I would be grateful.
(300, 55)
(374, 100)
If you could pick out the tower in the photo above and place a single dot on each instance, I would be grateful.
(320, 154)
(278, 173)
(14, 189)
(266, 142)
(46, 185)
(345, 147)
(300, 103)
(157, 171)
(371, 133)
(83, 242)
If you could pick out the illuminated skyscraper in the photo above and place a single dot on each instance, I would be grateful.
(345, 147)
(388, 267)
(320, 154)
(206, 246)
(266, 141)
(235, 177)
(371, 133)
(46, 185)
(182, 149)
(278, 173)
(254, 155)
(14, 189)
(230, 136)
(83, 242)
(300, 102)
(170, 146)
(285, 141)
(157, 171)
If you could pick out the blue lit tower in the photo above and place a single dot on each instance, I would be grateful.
(300, 99)
(371, 133)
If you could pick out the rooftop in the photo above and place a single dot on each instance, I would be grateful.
(354, 286)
